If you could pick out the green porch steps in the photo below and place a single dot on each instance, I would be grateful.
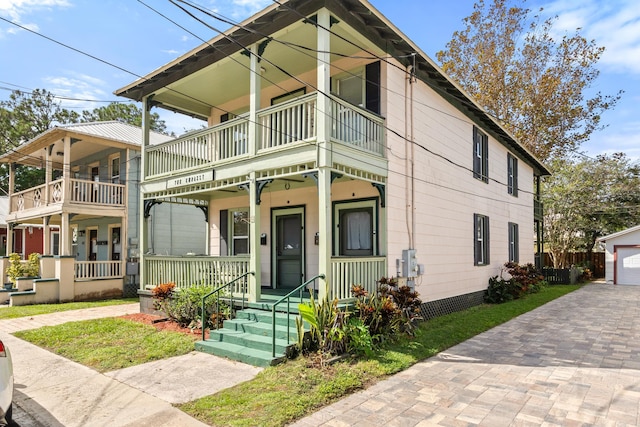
(248, 337)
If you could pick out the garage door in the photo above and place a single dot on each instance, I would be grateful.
(628, 268)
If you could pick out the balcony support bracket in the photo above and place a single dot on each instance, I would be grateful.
(148, 204)
(381, 190)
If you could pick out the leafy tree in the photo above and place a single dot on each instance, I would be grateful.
(125, 113)
(536, 85)
(587, 199)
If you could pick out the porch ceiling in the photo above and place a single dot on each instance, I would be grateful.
(228, 79)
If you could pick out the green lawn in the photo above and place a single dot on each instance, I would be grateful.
(110, 343)
(32, 310)
(284, 393)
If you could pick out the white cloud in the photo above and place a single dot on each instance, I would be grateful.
(614, 24)
(79, 87)
(17, 10)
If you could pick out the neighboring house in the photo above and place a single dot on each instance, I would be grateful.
(336, 147)
(91, 194)
(622, 256)
(27, 238)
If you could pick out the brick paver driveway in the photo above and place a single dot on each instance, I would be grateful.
(574, 361)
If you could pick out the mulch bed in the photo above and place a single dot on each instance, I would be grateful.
(163, 324)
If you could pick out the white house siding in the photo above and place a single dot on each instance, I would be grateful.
(447, 196)
(628, 239)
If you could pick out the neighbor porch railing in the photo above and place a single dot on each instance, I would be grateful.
(194, 271)
(88, 270)
(278, 126)
(79, 190)
(346, 272)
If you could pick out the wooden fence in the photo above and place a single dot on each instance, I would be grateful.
(594, 261)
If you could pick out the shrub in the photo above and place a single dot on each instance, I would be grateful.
(18, 269)
(524, 279)
(327, 328)
(184, 306)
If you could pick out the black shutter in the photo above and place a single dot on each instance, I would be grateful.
(372, 75)
(224, 229)
(476, 246)
(477, 161)
(487, 244)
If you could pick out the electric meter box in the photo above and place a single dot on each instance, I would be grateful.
(409, 263)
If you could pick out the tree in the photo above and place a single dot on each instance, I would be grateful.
(124, 113)
(587, 199)
(535, 85)
(25, 115)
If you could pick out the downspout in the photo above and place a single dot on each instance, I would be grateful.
(409, 153)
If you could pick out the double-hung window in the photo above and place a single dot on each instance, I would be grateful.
(481, 239)
(239, 231)
(480, 155)
(356, 228)
(512, 175)
(513, 242)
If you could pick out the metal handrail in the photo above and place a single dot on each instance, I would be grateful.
(273, 311)
(218, 299)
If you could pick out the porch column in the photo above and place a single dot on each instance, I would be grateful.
(10, 227)
(65, 236)
(254, 100)
(46, 236)
(324, 153)
(47, 175)
(254, 240)
(66, 165)
(142, 173)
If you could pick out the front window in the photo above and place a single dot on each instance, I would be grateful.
(356, 228)
(115, 169)
(239, 231)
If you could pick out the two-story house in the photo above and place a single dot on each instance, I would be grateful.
(336, 148)
(91, 195)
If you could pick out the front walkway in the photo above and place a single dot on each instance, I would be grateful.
(574, 361)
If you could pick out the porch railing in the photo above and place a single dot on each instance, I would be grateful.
(278, 126)
(195, 149)
(288, 122)
(87, 270)
(100, 193)
(195, 271)
(346, 272)
(77, 191)
(357, 127)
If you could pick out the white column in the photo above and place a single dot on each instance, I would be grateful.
(254, 101)
(47, 175)
(65, 235)
(254, 240)
(324, 154)
(46, 236)
(142, 172)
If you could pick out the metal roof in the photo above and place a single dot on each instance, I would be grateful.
(117, 131)
(618, 234)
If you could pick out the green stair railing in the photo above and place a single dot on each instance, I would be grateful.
(217, 292)
(287, 297)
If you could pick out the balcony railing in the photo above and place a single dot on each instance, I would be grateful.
(346, 272)
(90, 270)
(195, 271)
(77, 191)
(278, 126)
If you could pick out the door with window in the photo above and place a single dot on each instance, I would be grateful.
(93, 245)
(288, 257)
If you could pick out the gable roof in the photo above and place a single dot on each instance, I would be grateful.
(362, 17)
(119, 134)
(618, 234)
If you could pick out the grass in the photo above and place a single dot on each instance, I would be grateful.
(32, 310)
(284, 393)
(110, 343)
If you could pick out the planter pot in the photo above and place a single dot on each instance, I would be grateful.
(8, 285)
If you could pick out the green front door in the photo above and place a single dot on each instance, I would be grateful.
(288, 248)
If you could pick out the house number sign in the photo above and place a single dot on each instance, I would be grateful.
(196, 178)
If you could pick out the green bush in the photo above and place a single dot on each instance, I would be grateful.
(524, 279)
(18, 269)
(184, 306)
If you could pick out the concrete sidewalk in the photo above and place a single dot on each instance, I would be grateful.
(59, 392)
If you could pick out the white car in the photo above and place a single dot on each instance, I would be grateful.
(6, 383)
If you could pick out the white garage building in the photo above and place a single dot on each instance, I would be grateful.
(622, 260)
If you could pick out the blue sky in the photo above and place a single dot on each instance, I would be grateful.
(128, 34)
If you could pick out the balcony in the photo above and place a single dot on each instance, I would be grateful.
(287, 125)
(70, 191)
